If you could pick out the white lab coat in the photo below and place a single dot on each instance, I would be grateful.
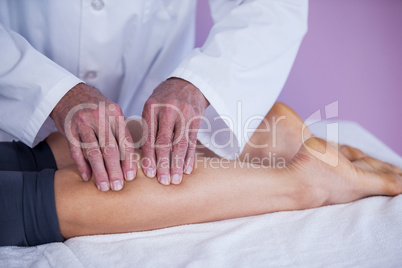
(126, 48)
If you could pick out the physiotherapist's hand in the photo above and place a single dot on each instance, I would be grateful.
(98, 137)
(173, 114)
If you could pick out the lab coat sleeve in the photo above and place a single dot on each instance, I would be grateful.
(30, 86)
(246, 59)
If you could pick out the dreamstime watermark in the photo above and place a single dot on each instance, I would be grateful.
(236, 135)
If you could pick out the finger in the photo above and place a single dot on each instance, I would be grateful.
(148, 161)
(111, 158)
(126, 146)
(79, 159)
(192, 145)
(163, 148)
(180, 144)
(95, 159)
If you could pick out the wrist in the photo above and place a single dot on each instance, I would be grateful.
(59, 106)
(193, 88)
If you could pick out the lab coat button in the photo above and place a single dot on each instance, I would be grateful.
(97, 4)
(90, 75)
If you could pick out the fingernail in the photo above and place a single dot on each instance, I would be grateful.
(103, 186)
(188, 170)
(130, 175)
(84, 176)
(149, 172)
(176, 179)
(164, 179)
(117, 185)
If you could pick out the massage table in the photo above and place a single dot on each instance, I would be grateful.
(364, 233)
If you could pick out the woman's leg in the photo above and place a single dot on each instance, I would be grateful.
(59, 146)
(227, 189)
(16, 156)
(210, 193)
(276, 140)
(279, 135)
(215, 193)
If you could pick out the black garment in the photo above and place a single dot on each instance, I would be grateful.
(27, 204)
(16, 156)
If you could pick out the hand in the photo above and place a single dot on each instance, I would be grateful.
(173, 115)
(95, 129)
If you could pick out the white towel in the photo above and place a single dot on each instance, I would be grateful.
(366, 233)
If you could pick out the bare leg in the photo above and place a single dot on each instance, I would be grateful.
(59, 146)
(211, 194)
(235, 189)
(279, 135)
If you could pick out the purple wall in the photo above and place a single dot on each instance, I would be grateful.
(351, 54)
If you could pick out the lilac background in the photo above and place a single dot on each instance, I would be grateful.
(353, 54)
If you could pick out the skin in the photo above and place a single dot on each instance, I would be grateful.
(173, 115)
(103, 155)
(308, 180)
(103, 137)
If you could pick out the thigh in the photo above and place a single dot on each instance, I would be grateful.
(27, 208)
(16, 156)
(12, 231)
(9, 159)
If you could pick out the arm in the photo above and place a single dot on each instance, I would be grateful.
(32, 87)
(31, 84)
(250, 50)
(247, 57)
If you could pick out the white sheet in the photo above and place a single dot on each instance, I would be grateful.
(366, 233)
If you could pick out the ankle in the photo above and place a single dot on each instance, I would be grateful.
(310, 172)
(308, 193)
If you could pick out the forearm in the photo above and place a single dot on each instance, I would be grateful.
(209, 194)
(30, 83)
(248, 55)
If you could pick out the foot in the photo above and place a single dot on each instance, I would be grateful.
(341, 175)
(281, 134)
